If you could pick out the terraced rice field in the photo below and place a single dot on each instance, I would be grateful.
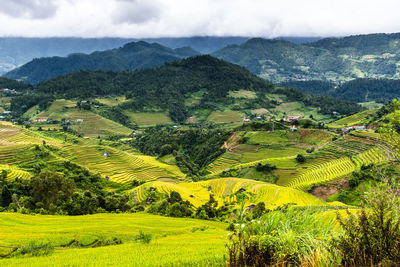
(149, 118)
(120, 166)
(93, 125)
(57, 109)
(14, 173)
(226, 116)
(347, 146)
(358, 118)
(324, 172)
(371, 156)
(335, 169)
(175, 242)
(11, 154)
(223, 189)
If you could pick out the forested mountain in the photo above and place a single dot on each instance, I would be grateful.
(359, 90)
(334, 59)
(13, 84)
(135, 55)
(170, 86)
(16, 51)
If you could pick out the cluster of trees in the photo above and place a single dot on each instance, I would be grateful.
(363, 90)
(357, 90)
(326, 104)
(194, 149)
(63, 188)
(14, 84)
(20, 104)
(174, 206)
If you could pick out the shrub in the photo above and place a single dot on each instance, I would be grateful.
(300, 158)
(372, 237)
(285, 238)
(36, 249)
(144, 237)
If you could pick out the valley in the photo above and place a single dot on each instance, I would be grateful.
(171, 159)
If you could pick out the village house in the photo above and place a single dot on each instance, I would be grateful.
(354, 127)
(293, 118)
(40, 120)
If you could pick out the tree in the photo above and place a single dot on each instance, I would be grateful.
(300, 158)
(47, 185)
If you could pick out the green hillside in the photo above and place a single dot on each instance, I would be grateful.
(359, 90)
(135, 55)
(334, 59)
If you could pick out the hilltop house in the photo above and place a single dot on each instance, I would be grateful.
(293, 118)
(354, 127)
(40, 120)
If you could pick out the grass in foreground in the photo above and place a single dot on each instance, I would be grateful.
(175, 241)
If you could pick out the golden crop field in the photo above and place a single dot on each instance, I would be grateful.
(175, 241)
(224, 189)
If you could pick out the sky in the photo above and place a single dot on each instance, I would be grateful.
(179, 18)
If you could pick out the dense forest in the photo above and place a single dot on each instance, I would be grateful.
(193, 149)
(358, 90)
(13, 84)
(333, 59)
(168, 86)
(135, 55)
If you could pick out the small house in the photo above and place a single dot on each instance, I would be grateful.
(360, 128)
(293, 118)
(41, 120)
(79, 120)
(247, 120)
(293, 129)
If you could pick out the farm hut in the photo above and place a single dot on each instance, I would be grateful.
(106, 154)
(241, 190)
(152, 189)
(108, 178)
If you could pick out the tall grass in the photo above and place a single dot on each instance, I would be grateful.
(291, 237)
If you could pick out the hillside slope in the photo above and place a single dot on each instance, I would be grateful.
(135, 55)
(334, 59)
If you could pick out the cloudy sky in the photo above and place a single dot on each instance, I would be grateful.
(160, 18)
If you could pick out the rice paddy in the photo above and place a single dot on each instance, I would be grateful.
(145, 119)
(223, 190)
(174, 241)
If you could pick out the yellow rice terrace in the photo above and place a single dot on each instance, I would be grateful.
(233, 152)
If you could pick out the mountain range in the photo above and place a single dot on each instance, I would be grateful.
(334, 59)
(134, 55)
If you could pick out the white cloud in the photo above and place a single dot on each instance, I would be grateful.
(155, 18)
